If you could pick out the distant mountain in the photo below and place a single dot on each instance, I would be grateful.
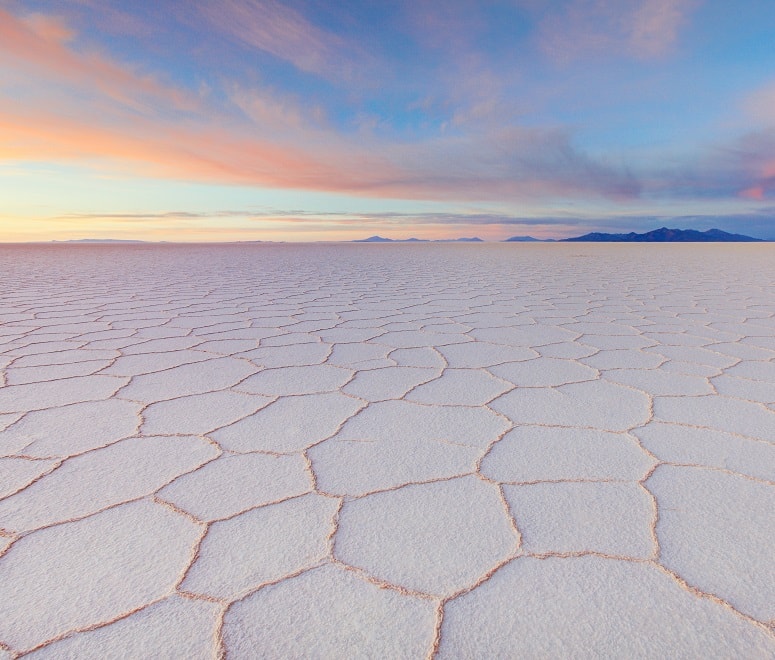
(382, 239)
(373, 239)
(665, 235)
(522, 239)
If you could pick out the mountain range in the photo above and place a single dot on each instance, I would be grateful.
(665, 235)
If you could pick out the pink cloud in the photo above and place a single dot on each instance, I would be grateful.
(37, 45)
(280, 30)
(274, 142)
(49, 28)
(760, 105)
(644, 29)
(756, 193)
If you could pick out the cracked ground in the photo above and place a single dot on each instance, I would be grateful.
(387, 451)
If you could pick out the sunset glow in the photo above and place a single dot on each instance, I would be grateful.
(301, 121)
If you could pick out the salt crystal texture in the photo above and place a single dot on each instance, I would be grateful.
(401, 451)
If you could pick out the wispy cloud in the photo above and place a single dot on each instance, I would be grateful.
(278, 29)
(644, 29)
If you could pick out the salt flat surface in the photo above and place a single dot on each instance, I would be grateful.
(387, 451)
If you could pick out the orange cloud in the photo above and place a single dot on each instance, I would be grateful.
(37, 45)
(275, 144)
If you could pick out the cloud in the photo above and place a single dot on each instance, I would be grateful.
(49, 28)
(760, 105)
(37, 45)
(278, 29)
(134, 124)
(644, 29)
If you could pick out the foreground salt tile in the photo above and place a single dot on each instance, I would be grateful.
(88, 483)
(232, 484)
(623, 359)
(421, 538)
(460, 387)
(610, 518)
(290, 424)
(617, 342)
(261, 546)
(526, 336)
(162, 345)
(73, 429)
(16, 473)
(566, 350)
(754, 370)
(695, 354)
(674, 443)
(690, 369)
(289, 356)
(377, 462)
(39, 346)
(593, 607)
(543, 372)
(310, 379)
(716, 530)
(200, 413)
(419, 338)
(67, 357)
(227, 346)
(176, 627)
(92, 571)
(658, 382)
(481, 354)
(743, 351)
(198, 378)
(419, 357)
(7, 420)
(598, 328)
(359, 356)
(329, 613)
(533, 453)
(745, 388)
(37, 396)
(596, 404)
(23, 375)
(718, 412)
(475, 427)
(388, 382)
(136, 365)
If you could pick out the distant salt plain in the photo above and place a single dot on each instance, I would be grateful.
(338, 450)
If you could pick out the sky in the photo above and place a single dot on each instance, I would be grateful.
(307, 120)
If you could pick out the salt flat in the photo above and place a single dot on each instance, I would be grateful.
(337, 450)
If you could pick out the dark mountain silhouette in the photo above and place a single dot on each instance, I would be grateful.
(373, 239)
(522, 239)
(665, 235)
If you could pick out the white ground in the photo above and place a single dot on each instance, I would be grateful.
(387, 451)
